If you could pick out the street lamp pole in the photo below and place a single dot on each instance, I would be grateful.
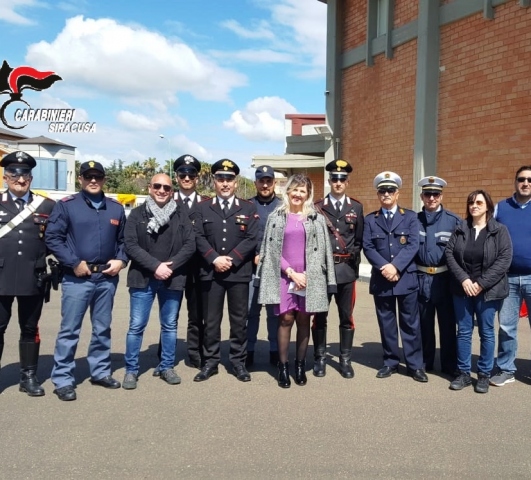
(171, 156)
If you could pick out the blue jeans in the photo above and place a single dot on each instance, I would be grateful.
(485, 312)
(141, 303)
(253, 321)
(78, 295)
(519, 289)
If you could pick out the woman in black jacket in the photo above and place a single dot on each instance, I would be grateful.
(478, 256)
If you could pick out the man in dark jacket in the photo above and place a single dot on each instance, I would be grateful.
(159, 241)
(390, 243)
(345, 229)
(23, 221)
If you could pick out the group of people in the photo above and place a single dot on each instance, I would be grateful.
(291, 254)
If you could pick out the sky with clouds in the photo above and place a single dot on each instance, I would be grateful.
(214, 77)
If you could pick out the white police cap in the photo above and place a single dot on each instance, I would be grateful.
(387, 179)
(432, 184)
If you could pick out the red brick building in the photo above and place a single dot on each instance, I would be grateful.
(429, 87)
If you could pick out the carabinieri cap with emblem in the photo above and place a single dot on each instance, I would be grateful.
(225, 166)
(338, 167)
(18, 160)
(187, 164)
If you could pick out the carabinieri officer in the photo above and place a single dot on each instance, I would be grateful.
(23, 220)
(227, 232)
(390, 243)
(345, 228)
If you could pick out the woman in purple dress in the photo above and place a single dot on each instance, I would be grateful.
(296, 270)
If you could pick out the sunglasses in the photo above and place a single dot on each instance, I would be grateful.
(479, 203)
(14, 175)
(523, 179)
(158, 186)
(182, 176)
(338, 179)
(431, 194)
(222, 178)
(93, 176)
(383, 191)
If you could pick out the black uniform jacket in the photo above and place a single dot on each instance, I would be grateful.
(22, 250)
(235, 236)
(349, 225)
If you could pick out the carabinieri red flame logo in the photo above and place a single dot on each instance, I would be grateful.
(14, 80)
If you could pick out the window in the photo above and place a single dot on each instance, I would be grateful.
(382, 17)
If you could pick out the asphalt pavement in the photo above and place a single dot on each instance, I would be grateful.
(222, 428)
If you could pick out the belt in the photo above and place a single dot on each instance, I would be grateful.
(432, 270)
(97, 267)
(341, 258)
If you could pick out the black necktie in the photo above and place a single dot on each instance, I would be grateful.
(338, 207)
(389, 218)
(225, 207)
(20, 203)
(186, 201)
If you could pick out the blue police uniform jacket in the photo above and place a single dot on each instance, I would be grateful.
(77, 231)
(397, 244)
(435, 230)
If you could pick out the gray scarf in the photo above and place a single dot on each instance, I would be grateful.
(160, 216)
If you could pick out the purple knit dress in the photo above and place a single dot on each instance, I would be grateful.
(293, 255)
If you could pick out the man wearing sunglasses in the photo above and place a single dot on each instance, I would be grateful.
(23, 221)
(345, 228)
(390, 243)
(226, 234)
(515, 213)
(436, 227)
(159, 240)
(86, 235)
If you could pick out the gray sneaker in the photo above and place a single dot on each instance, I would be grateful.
(169, 376)
(501, 378)
(461, 381)
(130, 381)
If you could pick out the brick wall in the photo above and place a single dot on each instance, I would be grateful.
(405, 11)
(484, 124)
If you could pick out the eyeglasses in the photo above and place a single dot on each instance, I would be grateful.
(479, 203)
(431, 194)
(158, 186)
(15, 175)
(224, 178)
(338, 179)
(383, 191)
(523, 179)
(93, 176)
(182, 176)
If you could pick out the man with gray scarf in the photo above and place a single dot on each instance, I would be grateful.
(159, 240)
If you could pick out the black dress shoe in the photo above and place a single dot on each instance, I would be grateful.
(66, 394)
(106, 382)
(205, 373)
(419, 375)
(241, 373)
(386, 371)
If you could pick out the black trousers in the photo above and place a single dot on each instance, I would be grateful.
(447, 332)
(408, 320)
(29, 313)
(345, 300)
(213, 295)
(195, 329)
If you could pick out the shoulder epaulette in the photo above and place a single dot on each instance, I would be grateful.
(67, 199)
(375, 213)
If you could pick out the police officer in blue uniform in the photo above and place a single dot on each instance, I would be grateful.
(436, 226)
(226, 229)
(390, 243)
(345, 227)
(86, 235)
(23, 220)
(266, 202)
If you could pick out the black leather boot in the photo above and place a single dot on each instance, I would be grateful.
(29, 359)
(300, 372)
(283, 375)
(346, 338)
(319, 352)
